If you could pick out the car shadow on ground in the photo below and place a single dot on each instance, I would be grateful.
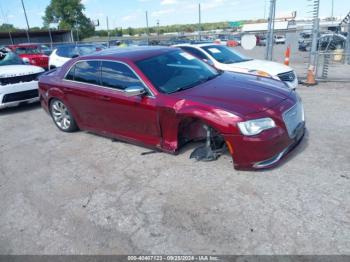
(19, 109)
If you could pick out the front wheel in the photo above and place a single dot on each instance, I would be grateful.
(62, 117)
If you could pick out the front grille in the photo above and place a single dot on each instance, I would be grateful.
(287, 76)
(18, 79)
(19, 96)
(293, 117)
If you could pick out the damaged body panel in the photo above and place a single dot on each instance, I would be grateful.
(164, 98)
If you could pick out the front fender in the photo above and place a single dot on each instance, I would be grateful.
(170, 119)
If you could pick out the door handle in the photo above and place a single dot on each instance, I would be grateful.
(105, 98)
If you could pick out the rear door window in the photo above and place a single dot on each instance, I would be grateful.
(117, 75)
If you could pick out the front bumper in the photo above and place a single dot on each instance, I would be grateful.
(15, 90)
(262, 152)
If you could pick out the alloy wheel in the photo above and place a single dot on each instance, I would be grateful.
(61, 115)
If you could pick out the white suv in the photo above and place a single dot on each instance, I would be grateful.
(64, 53)
(227, 59)
(18, 82)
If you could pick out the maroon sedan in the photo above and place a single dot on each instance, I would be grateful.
(164, 98)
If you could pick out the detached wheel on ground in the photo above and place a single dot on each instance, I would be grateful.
(62, 117)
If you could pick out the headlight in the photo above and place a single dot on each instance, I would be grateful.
(256, 126)
(259, 73)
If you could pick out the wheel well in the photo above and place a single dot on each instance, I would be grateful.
(190, 129)
(194, 129)
(50, 101)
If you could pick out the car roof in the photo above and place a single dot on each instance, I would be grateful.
(68, 45)
(130, 53)
(197, 45)
(24, 45)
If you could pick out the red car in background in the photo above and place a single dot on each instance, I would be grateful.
(31, 54)
(164, 98)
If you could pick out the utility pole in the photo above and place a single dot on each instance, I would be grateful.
(76, 28)
(348, 44)
(332, 15)
(25, 15)
(108, 34)
(50, 35)
(271, 26)
(199, 22)
(147, 28)
(158, 30)
(315, 29)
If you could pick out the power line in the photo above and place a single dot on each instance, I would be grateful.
(25, 15)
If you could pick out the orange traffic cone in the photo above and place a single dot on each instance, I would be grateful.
(286, 56)
(310, 78)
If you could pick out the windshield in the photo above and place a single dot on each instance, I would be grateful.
(9, 58)
(179, 71)
(224, 54)
(27, 50)
(72, 51)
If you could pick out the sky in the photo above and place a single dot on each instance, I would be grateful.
(132, 12)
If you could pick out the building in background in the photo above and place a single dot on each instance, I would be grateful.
(42, 36)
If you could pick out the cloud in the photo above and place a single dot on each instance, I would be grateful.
(129, 18)
(168, 2)
(209, 5)
(162, 12)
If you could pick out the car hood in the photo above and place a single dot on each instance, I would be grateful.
(19, 70)
(33, 56)
(270, 67)
(241, 94)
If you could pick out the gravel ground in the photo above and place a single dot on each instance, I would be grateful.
(84, 194)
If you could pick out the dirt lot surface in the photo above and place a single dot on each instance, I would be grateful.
(84, 194)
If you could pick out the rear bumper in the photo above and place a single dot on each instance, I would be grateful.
(15, 94)
(265, 151)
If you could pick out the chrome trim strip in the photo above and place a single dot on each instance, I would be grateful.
(114, 89)
(271, 161)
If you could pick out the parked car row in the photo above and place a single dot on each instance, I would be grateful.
(277, 39)
(325, 42)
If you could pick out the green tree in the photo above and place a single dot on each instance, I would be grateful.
(130, 31)
(69, 15)
(7, 28)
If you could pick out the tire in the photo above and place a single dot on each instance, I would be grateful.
(61, 116)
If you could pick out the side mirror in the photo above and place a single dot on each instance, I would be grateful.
(209, 62)
(134, 91)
